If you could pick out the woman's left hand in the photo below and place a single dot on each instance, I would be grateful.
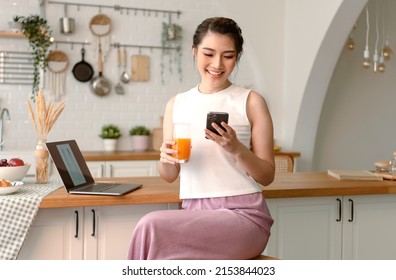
(227, 139)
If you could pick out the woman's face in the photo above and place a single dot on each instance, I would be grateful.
(216, 58)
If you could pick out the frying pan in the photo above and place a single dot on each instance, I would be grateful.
(83, 71)
(100, 85)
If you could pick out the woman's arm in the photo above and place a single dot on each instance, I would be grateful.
(260, 164)
(168, 167)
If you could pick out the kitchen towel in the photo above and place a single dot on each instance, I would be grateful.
(17, 212)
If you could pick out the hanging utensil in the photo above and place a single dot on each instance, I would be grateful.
(66, 23)
(125, 76)
(118, 88)
(56, 76)
(100, 85)
(83, 71)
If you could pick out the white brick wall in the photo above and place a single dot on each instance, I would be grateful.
(85, 113)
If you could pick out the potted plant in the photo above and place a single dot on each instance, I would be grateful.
(140, 137)
(14, 25)
(38, 33)
(110, 134)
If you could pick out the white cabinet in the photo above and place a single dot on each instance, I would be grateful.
(369, 232)
(123, 168)
(304, 228)
(350, 227)
(93, 233)
(56, 234)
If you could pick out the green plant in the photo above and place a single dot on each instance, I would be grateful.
(139, 130)
(38, 33)
(110, 131)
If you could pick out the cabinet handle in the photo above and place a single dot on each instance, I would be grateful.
(352, 209)
(111, 170)
(77, 222)
(102, 171)
(93, 222)
(339, 210)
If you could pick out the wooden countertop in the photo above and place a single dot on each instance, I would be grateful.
(285, 185)
(121, 155)
(145, 155)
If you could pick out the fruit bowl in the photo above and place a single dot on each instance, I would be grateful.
(16, 186)
(14, 173)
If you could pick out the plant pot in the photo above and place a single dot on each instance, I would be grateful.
(110, 145)
(140, 142)
(15, 26)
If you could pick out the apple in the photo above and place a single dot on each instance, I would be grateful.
(16, 162)
(3, 162)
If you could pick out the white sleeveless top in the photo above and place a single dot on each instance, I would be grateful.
(211, 171)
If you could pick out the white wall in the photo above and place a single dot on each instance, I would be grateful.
(143, 102)
(291, 50)
(357, 123)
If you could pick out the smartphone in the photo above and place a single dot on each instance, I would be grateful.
(216, 117)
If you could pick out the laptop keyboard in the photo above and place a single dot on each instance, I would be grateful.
(98, 187)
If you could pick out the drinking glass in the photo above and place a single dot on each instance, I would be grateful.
(182, 138)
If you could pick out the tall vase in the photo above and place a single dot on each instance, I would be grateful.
(41, 156)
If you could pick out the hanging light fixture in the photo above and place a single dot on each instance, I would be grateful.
(350, 44)
(375, 56)
(366, 53)
(388, 53)
(381, 64)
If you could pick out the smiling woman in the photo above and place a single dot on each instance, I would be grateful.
(223, 217)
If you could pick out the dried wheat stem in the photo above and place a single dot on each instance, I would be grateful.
(45, 116)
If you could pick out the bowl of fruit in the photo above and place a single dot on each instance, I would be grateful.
(14, 169)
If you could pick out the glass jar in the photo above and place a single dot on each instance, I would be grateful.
(41, 156)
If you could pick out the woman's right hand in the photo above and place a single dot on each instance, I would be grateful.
(166, 155)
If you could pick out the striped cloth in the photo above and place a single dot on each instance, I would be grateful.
(17, 211)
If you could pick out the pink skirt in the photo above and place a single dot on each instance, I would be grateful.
(236, 227)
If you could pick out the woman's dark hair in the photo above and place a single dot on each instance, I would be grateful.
(221, 25)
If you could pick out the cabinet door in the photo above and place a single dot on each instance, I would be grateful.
(305, 228)
(131, 168)
(55, 234)
(109, 229)
(97, 168)
(369, 231)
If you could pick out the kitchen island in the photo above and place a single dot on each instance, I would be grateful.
(316, 217)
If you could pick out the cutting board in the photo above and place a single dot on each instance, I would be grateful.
(140, 68)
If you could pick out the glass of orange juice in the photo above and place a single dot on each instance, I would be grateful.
(182, 138)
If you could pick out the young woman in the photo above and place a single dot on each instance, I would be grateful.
(224, 214)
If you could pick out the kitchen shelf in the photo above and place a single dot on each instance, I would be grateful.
(10, 34)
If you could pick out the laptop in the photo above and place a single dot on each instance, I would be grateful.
(75, 174)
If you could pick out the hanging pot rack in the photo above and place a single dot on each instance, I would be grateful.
(115, 45)
(120, 8)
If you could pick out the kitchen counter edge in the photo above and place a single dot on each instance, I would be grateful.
(285, 185)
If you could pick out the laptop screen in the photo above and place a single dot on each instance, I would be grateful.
(70, 163)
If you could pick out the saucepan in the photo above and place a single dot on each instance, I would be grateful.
(66, 23)
(100, 85)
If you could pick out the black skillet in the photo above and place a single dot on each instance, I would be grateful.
(83, 71)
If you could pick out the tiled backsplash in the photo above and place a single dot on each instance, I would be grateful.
(85, 113)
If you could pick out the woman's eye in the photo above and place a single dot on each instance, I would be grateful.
(208, 54)
(229, 56)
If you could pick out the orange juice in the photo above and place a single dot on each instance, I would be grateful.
(183, 147)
